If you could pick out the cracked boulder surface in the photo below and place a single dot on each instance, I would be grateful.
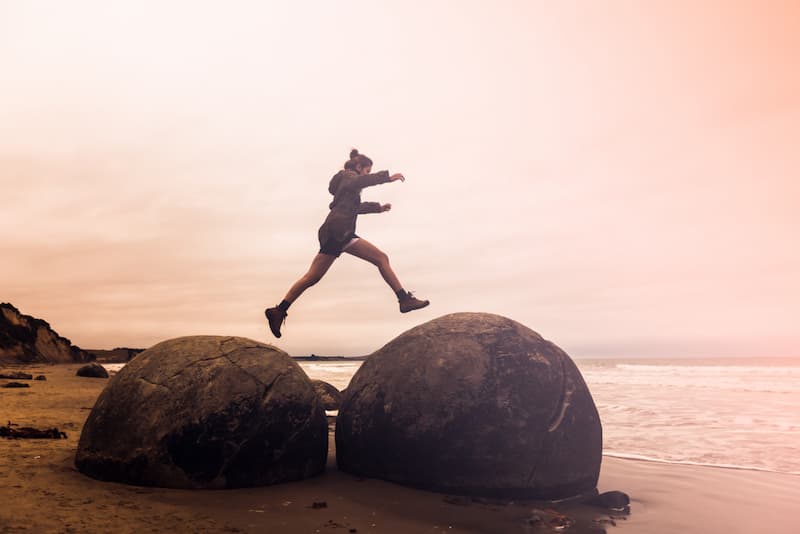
(476, 404)
(206, 412)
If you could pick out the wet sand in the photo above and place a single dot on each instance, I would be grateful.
(41, 491)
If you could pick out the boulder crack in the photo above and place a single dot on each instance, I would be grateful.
(268, 387)
(248, 373)
(563, 402)
(196, 362)
(152, 383)
(555, 421)
(532, 474)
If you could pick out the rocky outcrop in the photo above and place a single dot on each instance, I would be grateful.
(16, 375)
(27, 432)
(472, 403)
(331, 397)
(15, 385)
(206, 412)
(92, 370)
(25, 339)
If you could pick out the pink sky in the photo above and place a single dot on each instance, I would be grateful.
(621, 177)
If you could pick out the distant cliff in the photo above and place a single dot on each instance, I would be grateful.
(26, 339)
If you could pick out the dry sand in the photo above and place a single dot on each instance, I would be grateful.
(41, 491)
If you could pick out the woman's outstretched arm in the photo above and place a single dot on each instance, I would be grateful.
(373, 207)
(370, 207)
(367, 180)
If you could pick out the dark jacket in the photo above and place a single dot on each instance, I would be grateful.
(340, 225)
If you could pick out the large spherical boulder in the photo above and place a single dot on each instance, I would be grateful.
(472, 403)
(206, 412)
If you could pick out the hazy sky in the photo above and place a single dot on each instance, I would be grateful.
(621, 177)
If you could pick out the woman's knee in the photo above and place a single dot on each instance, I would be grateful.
(311, 278)
(381, 260)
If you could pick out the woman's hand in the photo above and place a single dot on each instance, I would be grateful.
(385, 207)
(396, 177)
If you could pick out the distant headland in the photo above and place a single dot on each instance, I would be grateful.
(27, 339)
(316, 358)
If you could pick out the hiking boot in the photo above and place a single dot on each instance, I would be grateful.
(409, 302)
(275, 317)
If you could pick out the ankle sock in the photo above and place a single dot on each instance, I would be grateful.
(401, 293)
(284, 305)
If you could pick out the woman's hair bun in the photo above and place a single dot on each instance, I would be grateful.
(357, 161)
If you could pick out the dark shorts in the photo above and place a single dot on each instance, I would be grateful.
(335, 248)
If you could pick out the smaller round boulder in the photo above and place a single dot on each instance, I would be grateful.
(206, 412)
(331, 397)
(93, 370)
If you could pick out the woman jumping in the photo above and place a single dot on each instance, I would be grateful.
(338, 234)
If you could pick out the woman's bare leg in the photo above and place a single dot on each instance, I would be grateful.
(319, 266)
(367, 251)
(277, 315)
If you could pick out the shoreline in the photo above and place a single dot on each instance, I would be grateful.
(43, 492)
(734, 467)
(315, 358)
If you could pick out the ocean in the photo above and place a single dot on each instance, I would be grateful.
(727, 412)
(733, 413)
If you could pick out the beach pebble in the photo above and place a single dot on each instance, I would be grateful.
(472, 403)
(550, 519)
(206, 412)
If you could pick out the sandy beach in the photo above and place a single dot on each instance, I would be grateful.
(41, 491)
